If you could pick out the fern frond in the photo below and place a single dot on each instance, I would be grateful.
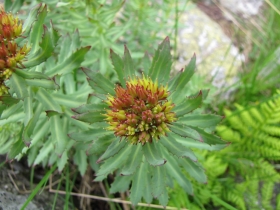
(267, 191)
(234, 196)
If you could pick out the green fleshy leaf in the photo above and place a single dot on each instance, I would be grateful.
(100, 144)
(89, 108)
(13, 6)
(28, 22)
(184, 131)
(147, 182)
(188, 142)
(80, 159)
(182, 78)
(8, 100)
(49, 40)
(91, 117)
(114, 162)
(135, 158)
(202, 121)
(176, 148)
(163, 198)
(188, 105)
(120, 184)
(118, 66)
(45, 98)
(69, 64)
(88, 135)
(138, 185)
(29, 129)
(47, 84)
(97, 80)
(16, 147)
(194, 170)
(69, 45)
(175, 171)
(35, 35)
(18, 84)
(205, 93)
(30, 75)
(62, 161)
(58, 133)
(47, 148)
(113, 149)
(146, 63)
(158, 180)
(209, 138)
(128, 67)
(32, 154)
(161, 64)
(67, 100)
(152, 154)
(28, 105)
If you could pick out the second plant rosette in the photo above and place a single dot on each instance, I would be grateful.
(143, 129)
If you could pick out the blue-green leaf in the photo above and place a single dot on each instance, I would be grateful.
(184, 131)
(48, 102)
(90, 117)
(128, 67)
(161, 64)
(120, 184)
(146, 63)
(88, 135)
(176, 148)
(134, 160)
(179, 82)
(138, 186)
(209, 138)
(113, 149)
(163, 198)
(89, 108)
(35, 35)
(194, 170)
(100, 144)
(80, 159)
(115, 162)
(97, 80)
(188, 105)
(175, 171)
(158, 180)
(47, 84)
(29, 129)
(69, 64)
(30, 75)
(152, 154)
(49, 40)
(118, 66)
(201, 120)
(18, 84)
(58, 132)
(188, 142)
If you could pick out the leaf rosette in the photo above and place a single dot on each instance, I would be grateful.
(144, 128)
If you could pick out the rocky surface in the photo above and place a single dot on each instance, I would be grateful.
(217, 58)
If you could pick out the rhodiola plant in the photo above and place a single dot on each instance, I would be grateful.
(39, 86)
(143, 127)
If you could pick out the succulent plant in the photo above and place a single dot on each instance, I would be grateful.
(39, 87)
(143, 127)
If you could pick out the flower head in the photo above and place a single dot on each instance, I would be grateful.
(11, 55)
(141, 112)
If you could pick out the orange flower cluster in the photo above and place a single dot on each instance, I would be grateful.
(11, 54)
(141, 112)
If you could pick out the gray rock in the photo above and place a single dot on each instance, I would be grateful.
(9, 201)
